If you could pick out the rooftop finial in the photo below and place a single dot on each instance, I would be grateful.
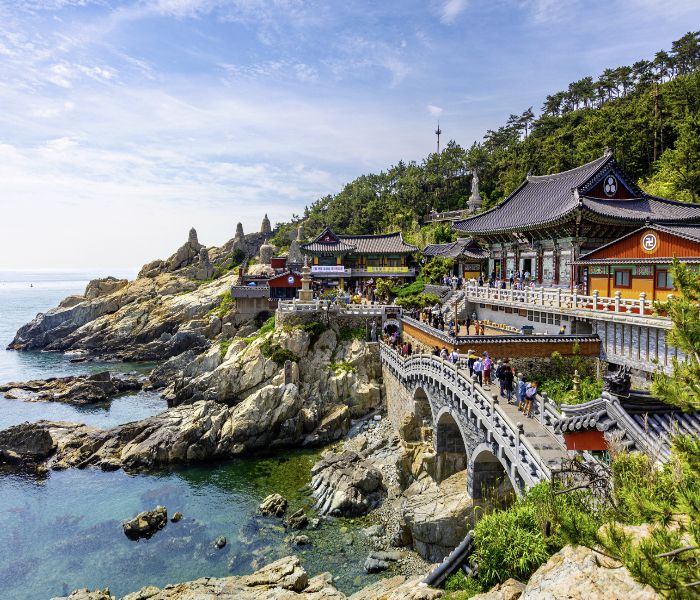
(607, 151)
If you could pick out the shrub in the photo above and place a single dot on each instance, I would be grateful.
(314, 329)
(343, 366)
(224, 347)
(411, 289)
(345, 334)
(274, 351)
(459, 583)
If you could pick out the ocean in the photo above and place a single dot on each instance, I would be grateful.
(61, 530)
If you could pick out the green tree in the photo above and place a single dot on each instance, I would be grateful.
(437, 268)
(679, 167)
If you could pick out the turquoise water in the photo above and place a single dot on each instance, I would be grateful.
(61, 531)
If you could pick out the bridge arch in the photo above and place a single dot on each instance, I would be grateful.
(486, 471)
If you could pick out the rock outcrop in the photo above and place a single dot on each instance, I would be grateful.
(345, 485)
(83, 389)
(439, 515)
(284, 579)
(274, 505)
(145, 524)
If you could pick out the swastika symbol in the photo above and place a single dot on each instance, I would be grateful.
(649, 242)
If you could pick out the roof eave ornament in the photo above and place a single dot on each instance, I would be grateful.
(607, 151)
(577, 196)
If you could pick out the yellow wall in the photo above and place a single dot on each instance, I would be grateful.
(316, 260)
(337, 260)
(638, 286)
(471, 274)
(599, 283)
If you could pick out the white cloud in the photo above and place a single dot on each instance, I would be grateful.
(435, 111)
(451, 9)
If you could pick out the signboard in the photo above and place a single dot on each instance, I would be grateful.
(328, 269)
(287, 372)
(392, 310)
(387, 269)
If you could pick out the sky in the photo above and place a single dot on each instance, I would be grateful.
(123, 124)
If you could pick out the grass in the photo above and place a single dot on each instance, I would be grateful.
(342, 366)
(224, 347)
(225, 307)
(345, 334)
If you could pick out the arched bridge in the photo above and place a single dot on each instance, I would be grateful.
(470, 419)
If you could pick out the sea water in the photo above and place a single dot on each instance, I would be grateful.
(61, 530)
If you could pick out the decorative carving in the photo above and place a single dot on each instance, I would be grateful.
(619, 383)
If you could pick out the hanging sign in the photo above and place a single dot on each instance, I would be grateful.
(328, 269)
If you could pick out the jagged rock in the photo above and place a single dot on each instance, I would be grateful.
(403, 537)
(176, 517)
(298, 520)
(286, 573)
(334, 425)
(246, 331)
(344, 483)
(578, 573)
(26, 442)
(300, 540)
(439, 516)
(274, 505)
(86, 594)
(374, 530)
(145, 524)
(408, 427)
(265, 227)
(104, 287)
(220, 542)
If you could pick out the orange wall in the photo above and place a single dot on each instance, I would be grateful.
(631, 247)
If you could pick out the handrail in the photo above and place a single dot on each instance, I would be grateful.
(565, 302)
(507, 434)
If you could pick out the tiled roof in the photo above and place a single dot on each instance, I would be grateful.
(243, 291)
(538, 200)
(657, 260)
(385, 243)
(608, 414)
(319, 247)
(640, 209)
(456, 249)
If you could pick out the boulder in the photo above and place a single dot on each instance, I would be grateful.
(145, 524)
(86, 594)
(408, 427)
(274, 505)
(345, 484)
(510, 589)
(176, 517)
(26, 442)
(246, 331)
(286, 573)
(104, 287)
(372, 565)
(334, 425)
(374, 531)
(577, 573)
(296, 521)
(220, 542)
(439, 516)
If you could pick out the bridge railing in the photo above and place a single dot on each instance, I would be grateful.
(559, 299)
(467, 396)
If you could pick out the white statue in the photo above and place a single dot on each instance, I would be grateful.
(475, 185)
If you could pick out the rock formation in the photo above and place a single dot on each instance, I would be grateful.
(265, 227)
(274, 505)
(145, 524)
(345, 485)
(266, 253)
(239, 231)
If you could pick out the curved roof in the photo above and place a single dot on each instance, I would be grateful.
(385, 243)
(456, 249)
(547, 199)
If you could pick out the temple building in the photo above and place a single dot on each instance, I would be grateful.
(639, 262)
(352, 260)
(547, 224)
(470, 258)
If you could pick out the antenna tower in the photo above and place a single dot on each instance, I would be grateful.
(438, 131)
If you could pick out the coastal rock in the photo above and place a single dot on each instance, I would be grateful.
(104, 287)
(86, 594)
(334, 425)
(220, 542)
(508, 590)
(344, 484)
(578, 573)
(439, 516)
(176, 517)
(298, 520)
(274, 505)
(145, 524)
(30, 442)
(372, 565)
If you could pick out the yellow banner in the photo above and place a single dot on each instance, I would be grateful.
(387, 269)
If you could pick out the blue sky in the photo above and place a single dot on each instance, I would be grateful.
(123, 124)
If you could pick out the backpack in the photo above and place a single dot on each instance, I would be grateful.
(500, 372)
(531, 391)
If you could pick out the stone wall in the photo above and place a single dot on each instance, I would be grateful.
(336, 321)
(398, 400)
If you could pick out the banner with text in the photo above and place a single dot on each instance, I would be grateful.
(328, 269)
(387, 269)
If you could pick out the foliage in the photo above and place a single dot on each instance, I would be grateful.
(314, 329)
(683, 389)
(418, 301)
(561, 390)
(346, 334)
(509, 543)
(416, 287)
(224, 347)
(385, 288)
(458, 582)
(444, 235)
(267, 327)
(437, 268)
(227, 304)
(634, 490)
(343, 366)
(274, 351)
(619, 109)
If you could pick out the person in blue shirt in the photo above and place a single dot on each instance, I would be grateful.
(521, 391)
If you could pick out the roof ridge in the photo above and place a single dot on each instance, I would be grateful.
(368, 235)
(562, 174)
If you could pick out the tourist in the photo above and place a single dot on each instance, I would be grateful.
(562, 331)
(443, 352)
(499, 376)
(522, 386)
(478, 367)
(487, 368)
(454, 356)
(471, 359)
(530, 394)
(435, 351)
(410, 349)
(512, 280)
(507, 379)
(476, 327)
(468, 322)
(405, 349)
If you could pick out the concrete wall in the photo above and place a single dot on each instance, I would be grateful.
(552, 321)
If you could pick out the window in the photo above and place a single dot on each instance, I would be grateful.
(327, 261)
(623, 278)
(557, 320)
(536, 316)
(664, 280)
(373, 262)
(550, 319)
(394, 262)
(529, 315)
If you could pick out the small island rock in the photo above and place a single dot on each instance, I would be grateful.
(145, 524)
(274, 505)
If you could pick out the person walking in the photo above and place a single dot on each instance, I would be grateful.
(507, 379)
(435, 351)
(499, 377)
(471, 359)
(522, 386)
(404, 350)
(454, 356)
(487, 368)
(410, 349)
(443, 352)
(478, 367)
(530, 394)
(468, 322)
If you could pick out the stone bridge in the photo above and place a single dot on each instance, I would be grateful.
(501, 446)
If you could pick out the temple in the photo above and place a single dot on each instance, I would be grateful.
(351, 260)
(547, 224)
(470, 259)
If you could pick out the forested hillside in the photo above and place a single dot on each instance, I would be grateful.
(648, 114)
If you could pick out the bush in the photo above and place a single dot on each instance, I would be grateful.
(274, 351)
(224, 347)
(345, 334)
(418, 301)
(314, 329)
(509, 543)
(561, 390)
(459, 583)
(416, 287)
